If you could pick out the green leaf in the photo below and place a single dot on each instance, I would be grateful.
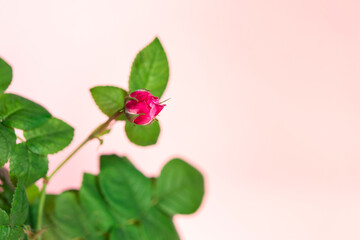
(20, 206)
(5, 75)
(93, 203)
(70, 218)
(153, 225)
(129, 232)
(26, 165)
(32, 193)
(51, 230)
(158, 226)
(109, 99)
(51, 137)
(21, 113)
(127, 190)
(7, 142)
(150, 69)
(11, 233)
(143, 135)
(180, 188)
(7, 192)
(4, 218)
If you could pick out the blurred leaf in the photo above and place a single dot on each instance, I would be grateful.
(26, 165)
(11, 233)
(7, 142)
(127, 190)
(143, 135)
(8, 189)
(180, 188)
(153, 225)
(4, 218)
(5, 75)
(19, 206)
(21, 113)
(117, 204)
(51, 137)
(109, 99)
(158, 226)
(71, 220)
(32, 193)
(150, 69)
(129, 232)
(93, 203)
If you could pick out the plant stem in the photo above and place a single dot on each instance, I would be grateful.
(41, 208)
(68, 158)
(94, 134)
(22, 140)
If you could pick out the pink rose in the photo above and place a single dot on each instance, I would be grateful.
(141, 107)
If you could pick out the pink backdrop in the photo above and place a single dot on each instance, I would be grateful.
(264, 100)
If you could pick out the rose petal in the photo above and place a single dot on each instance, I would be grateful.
(134, 107)
(143, 120)
(141, 95)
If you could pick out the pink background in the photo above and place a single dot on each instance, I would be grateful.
(264, 100)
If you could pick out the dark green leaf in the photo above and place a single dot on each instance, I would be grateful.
(150, 69)
(51, 137)
(92, 202)
(21, 113)
(4, 218)
(7, 142)
(11, 233)
(26, 165)
(128, 232)
(19, 206)
(51, 230)
(158, 226)
(5, 75)
(109, 99)
(7, 192)
(143, 135)
(126, 189)
(180, 188)
(153, 225)
(71, 220)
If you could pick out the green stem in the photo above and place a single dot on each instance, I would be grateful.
(22, 140)
(41, 208)
(95, 134)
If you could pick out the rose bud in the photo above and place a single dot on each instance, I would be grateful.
(141, 107)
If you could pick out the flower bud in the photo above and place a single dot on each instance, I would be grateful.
(141, 107)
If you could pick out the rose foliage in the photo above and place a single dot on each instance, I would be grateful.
(118, 203)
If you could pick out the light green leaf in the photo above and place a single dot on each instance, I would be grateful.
(7, 142)
(21, 113)
(127, 190)
(143, 135)
(180, 188)
(93, 203)
(19, 207)
(150, 69)
(26, 165)
(109, 99)
(51, 137)
(5, 75)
